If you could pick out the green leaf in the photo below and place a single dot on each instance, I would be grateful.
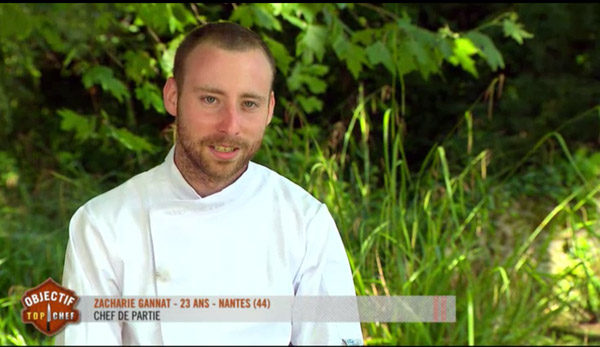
(294, 80)
(282, 58)
(54, 40)
(131, 141)
(418, 49)
(150, 96)
(82, 126)
(289, 11)
(311, 43)
(104, 21)
(356, 59)
(244, 15)
(308, 11)
(354, 55)
(139, 65)
(363, 36)
(168, 56)
(405, 62)
(310, 104)
(15, 22)
(295, 21)
(515, 30)
(157, 16)
(183, 16)
(463, 50)
(315, 85)
(316, 69)
(379, 53)
(335, 26)
(424, 46)
(259, 14)
(305, 75)
(103, 76)
(423, 57)
(264, 18)
(341, 46)
(445, 47)
(487, 48)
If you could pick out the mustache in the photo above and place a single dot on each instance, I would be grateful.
(222, 139)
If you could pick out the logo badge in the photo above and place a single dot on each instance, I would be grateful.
(49, 307)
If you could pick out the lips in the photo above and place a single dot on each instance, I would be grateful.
(224, 152)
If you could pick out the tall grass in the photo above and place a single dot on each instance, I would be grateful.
(33, 236)
(437, 227)
(438, 230)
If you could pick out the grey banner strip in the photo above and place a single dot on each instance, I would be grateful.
(269, 309)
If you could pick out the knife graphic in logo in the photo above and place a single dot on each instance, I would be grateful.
(48, 319)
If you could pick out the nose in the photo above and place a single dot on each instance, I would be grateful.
(229, 121)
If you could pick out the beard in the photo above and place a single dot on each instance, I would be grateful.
(200, 163)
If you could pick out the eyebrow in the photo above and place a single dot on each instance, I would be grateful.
(218, 91)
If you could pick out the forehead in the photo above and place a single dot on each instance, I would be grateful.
(208, 63)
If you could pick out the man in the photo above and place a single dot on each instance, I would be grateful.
(208, 222)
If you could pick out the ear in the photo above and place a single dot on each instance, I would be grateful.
(170, 96)
(271, 107)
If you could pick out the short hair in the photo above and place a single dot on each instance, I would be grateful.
(225, 35)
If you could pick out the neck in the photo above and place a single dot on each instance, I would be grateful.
(202, 183)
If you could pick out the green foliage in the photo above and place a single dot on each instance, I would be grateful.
(309, 76)
(84, 127)
(280, 53)
(130, 141)
(256, 15)
(103, 76)
(139, 66)
(487, 48)
(14, 22)
(462, 52)
(9, 175)
(378, 53)
(311, 43)
(515, 30)
(163, 18)
(168, 55)
(444, 229)
(440, 136)
(150, 96)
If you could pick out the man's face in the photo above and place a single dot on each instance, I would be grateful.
(222, 109)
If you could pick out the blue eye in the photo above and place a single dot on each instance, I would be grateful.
(250, 104)
(209, 99)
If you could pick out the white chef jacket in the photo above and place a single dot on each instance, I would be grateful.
(155, 236)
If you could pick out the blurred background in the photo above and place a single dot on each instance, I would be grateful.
(456, 146)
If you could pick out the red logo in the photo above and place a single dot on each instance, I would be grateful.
(49, 307)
